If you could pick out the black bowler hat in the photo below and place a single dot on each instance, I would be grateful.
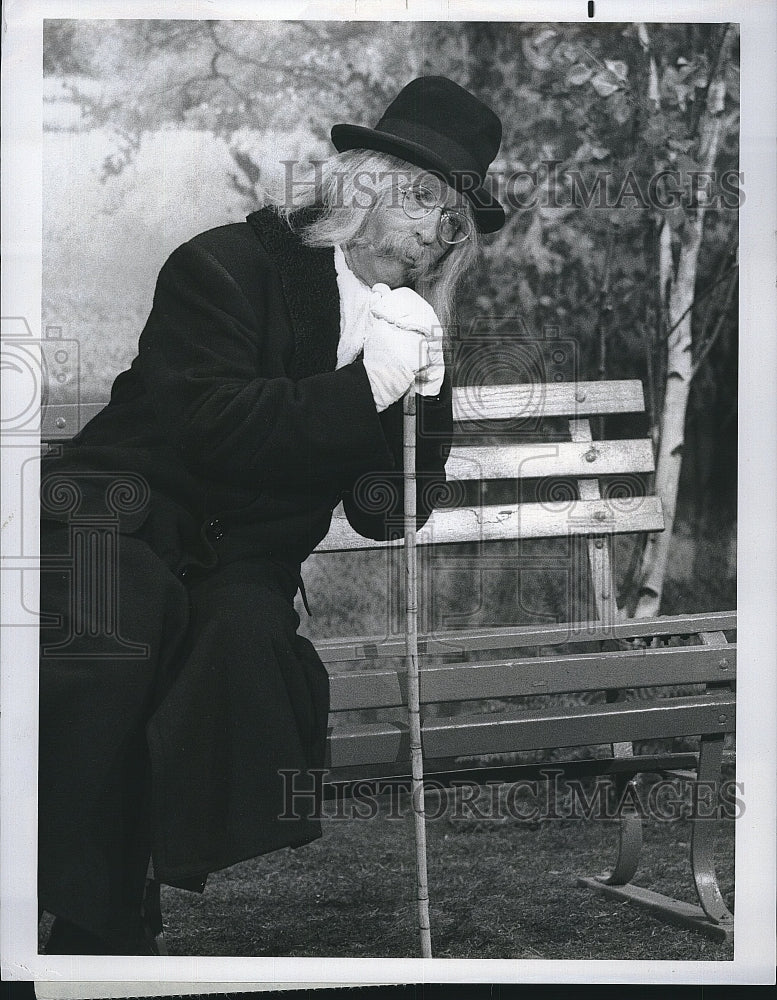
(436, 124)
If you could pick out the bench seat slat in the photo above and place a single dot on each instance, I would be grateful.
(460, 640)
(579, 726)
(553, 519)
(533, 401)
(562, 458)
(509, 732)
(537, 675)
(374, 743)
(366, 689)
(452, 771)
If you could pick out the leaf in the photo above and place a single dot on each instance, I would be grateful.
(579, 74)
(586, 152)
(543, 37)
(526, 297)
(537, 50)
(604, 85)
(680, 145)
(618, 68)
(569, 51)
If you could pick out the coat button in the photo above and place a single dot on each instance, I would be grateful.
(182, 573)
(214, 529)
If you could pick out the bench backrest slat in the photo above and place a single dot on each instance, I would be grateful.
(554, 519)
(64, 420)
(386, 745)
(470, 403)
(554, 399)
(562, 458)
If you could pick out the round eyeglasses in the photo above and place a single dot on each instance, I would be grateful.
(453, 226)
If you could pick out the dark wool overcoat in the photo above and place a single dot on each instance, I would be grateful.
(237, 438)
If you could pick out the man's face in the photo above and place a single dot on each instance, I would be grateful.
(395, 248)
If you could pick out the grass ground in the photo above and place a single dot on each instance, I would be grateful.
(499, 889)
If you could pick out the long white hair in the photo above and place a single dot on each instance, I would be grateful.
(350, 184)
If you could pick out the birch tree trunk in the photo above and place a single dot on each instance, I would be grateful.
(678, 287)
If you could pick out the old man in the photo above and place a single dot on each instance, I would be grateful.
(267, 388)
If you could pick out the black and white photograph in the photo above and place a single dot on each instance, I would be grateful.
(388, 445)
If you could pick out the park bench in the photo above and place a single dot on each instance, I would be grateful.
(639, 681)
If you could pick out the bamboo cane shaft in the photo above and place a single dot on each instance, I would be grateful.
(413, 686)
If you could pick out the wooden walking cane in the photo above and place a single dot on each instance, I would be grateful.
(413, 691)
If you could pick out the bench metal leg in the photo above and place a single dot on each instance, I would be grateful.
(629, 841)
(629, 821)
(712, 918)
(703, 839)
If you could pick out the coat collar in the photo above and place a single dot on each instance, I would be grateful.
(309, 283)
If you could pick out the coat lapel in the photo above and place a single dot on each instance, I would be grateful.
(309, 283)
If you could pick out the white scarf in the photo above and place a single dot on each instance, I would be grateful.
(354, 307)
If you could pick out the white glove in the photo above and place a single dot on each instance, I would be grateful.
(392, 359)
(407, 310)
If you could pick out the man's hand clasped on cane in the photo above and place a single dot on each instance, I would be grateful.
(402, 345)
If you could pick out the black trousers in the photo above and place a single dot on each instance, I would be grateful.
(170, 734)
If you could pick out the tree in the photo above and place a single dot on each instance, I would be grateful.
(615, 112)
(678, 290)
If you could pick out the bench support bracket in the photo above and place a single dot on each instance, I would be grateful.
(629, 842)
(671, 910)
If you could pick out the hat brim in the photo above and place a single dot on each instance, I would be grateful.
(489, 214)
